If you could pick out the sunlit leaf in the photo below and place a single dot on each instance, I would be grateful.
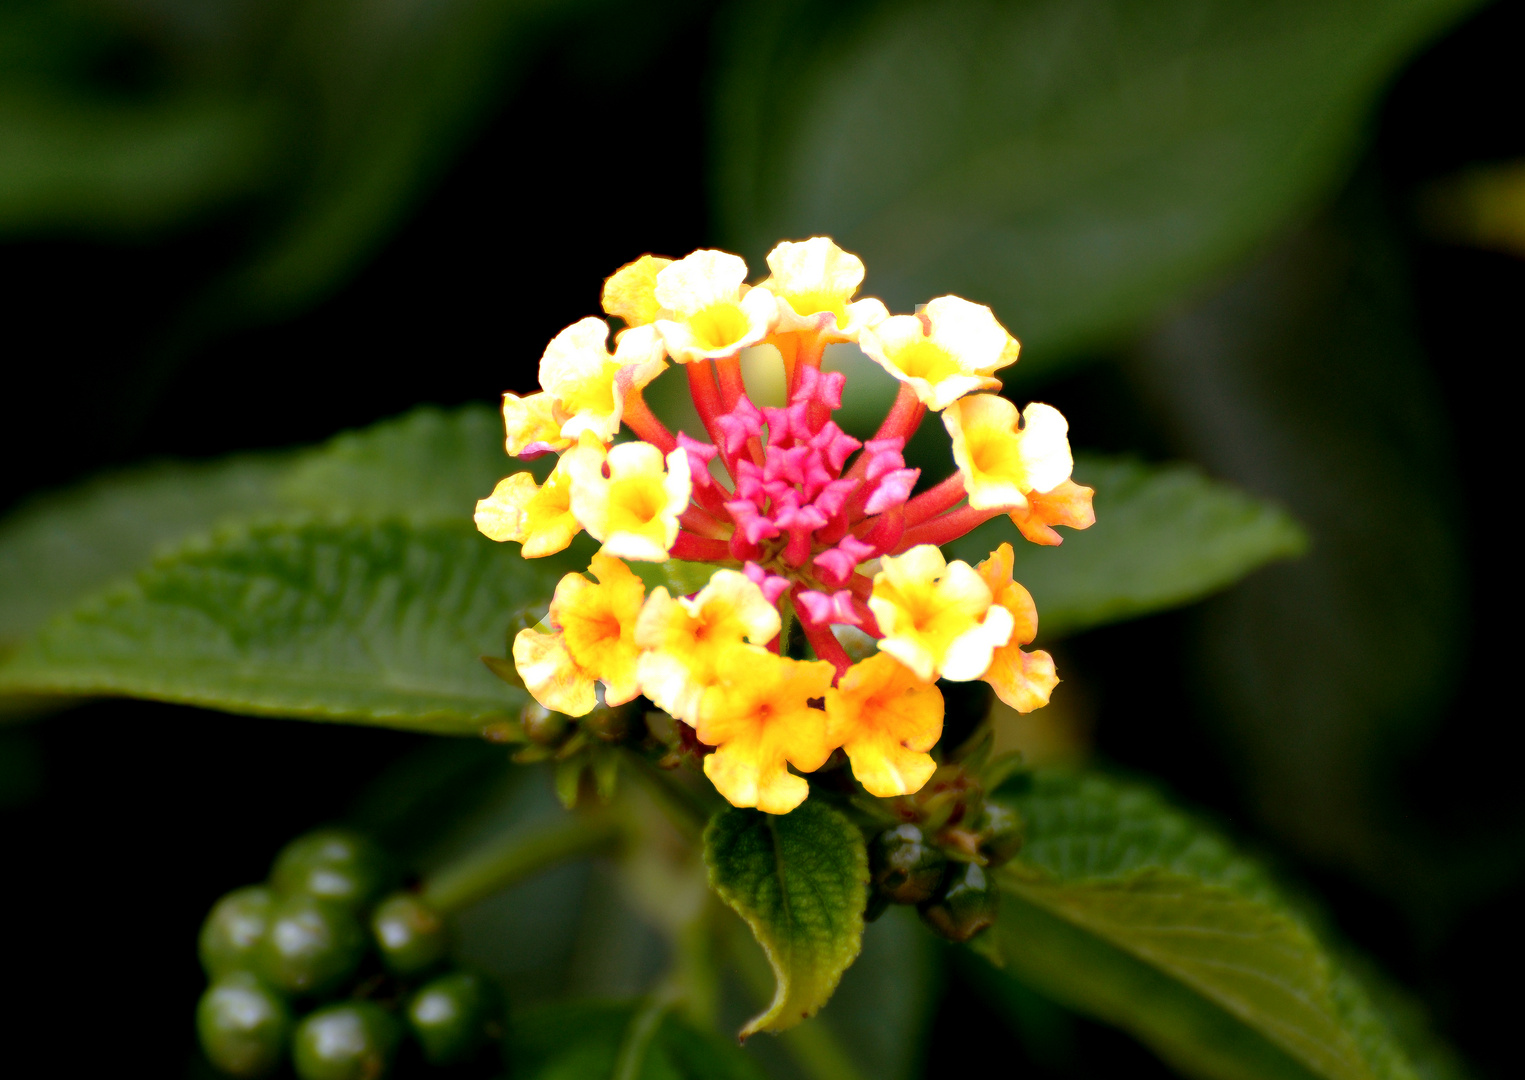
(1164, 536)
(799, 880)
(1079, 166)
(639, 1041)
(1124, 907)
(378, 623)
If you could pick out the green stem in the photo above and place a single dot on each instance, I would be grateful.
(637, 1041)
(510, 859)
(687, 809)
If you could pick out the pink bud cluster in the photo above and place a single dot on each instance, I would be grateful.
(794, 509)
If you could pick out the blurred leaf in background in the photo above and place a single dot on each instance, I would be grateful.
(1076, 165)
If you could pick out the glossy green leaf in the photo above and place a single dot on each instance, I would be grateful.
(1079, 166)
(1164, 536)
(1126, 908)
(799, 880)
(598, 1041)
(63, 546)
(377, 623)
(430, 465)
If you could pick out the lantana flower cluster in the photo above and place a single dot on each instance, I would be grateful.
(800, 520)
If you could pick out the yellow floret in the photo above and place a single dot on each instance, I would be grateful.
(593, 641)
(1004, 455)
(1021, 679)
(634, 510)
(684, 638)
(532, 421)
(1068, 504)
(886, 719)
(538, 517)
(759, 717)
(814, 281)
(708, 311)
(938, 618)
(630, 292)
(588, 384)
(951, 349)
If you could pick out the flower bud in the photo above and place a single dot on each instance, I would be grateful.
(905, 868)
(1001, 834)
(542, 726)
(966, 906)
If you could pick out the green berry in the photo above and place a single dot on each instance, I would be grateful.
(233, 929)
(242, 1025)
(336, 865)
(1001, 829)
(967, 904)
(409, 934)
(906, 869)
(309, 947)
(353, 1040)
(453, 1016)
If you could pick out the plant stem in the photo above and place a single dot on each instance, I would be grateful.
(510, 859)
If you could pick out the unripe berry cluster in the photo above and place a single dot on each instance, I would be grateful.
(330, 965)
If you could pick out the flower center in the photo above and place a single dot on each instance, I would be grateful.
(719, 326)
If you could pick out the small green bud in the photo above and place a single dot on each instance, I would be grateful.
(336, 865)
(905, 868)
(233, 929)
(542, 726)
(309, 947)
(610, 725)
(1001, 833)
(242, 1025)
(453, 1016)
(353, 1040)
(410, 935)
(966, 905)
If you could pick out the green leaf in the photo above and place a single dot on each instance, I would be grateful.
(1307, 379)
(799, 880)
(1079, 166)
(430, 465)
(63, 546)
(1126, 908)
(678, 577)
(378, 623)
(598, 1041)
(1164, 536)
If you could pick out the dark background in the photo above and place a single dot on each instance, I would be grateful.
(126, 819)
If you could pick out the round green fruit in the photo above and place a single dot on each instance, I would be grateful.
(336, 865)
(242, 1025)
(966, 906)
(410, 935)
(353, 1040)
(905, 868)
(453, 1016)
(309, 947)
(233, 930)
